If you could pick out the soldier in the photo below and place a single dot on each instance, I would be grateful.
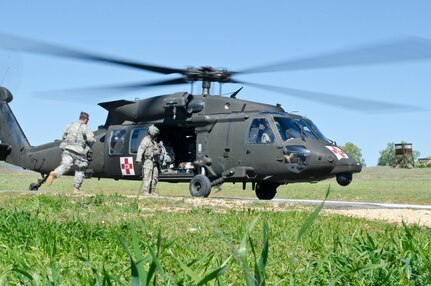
(77, 142)
(149, 151)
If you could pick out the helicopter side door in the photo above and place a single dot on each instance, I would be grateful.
(263, 149)
(121, 145)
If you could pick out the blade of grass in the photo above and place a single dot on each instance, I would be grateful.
(192, 274)
(216, 273)
(134, 269)
(308, 222)
(138, 256)
(260, 267)
(243, 254)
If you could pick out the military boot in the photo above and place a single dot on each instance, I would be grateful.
(51, 178)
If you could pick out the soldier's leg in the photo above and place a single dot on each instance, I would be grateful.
(155, 178)
(65, 165)
(148, 174)
(81, 165)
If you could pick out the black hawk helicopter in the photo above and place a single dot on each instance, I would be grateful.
(209, 139)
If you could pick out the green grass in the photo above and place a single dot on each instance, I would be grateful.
(375, 184)
(52, 238)
(65, 240)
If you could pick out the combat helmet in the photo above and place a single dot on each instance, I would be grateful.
(153, 130)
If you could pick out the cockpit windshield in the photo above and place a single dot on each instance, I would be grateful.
(290, 128)
(307, 129)
(317, 131)
(287, 128)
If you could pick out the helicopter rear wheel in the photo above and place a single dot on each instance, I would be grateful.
(266, 191)
(33, 187)
(200, 186)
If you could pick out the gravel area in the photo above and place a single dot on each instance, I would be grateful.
(409, 216)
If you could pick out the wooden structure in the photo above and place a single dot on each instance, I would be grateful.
(404, 155)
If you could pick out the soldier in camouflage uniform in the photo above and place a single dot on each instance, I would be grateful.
(149, 152)
(77, 142)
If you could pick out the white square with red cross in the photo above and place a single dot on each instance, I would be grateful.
(126, 164)
(338, 152)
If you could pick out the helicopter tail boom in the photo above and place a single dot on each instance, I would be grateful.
(13, 142)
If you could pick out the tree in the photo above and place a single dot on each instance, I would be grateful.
(388, 158)
(354, 152)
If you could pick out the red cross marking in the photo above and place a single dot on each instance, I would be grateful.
(126, 166)
(338, 151)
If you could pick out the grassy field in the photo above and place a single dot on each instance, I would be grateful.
(51, 237)
(376, 184)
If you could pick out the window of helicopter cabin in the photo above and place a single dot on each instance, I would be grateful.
(260, 132)
(287, 128)
(136, 137)
(116, 143)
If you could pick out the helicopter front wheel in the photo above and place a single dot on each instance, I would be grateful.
(266, 191)
(200, 186)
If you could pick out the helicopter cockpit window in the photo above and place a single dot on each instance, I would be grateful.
(287, 128)
(260, 132)
(307, 129)
(116, 143)
(135, 139)
(317, 131)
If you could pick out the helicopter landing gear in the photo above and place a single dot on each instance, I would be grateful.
(344, 179)
(36, 186)
(200, 186)
(33, 187)
(266, 191)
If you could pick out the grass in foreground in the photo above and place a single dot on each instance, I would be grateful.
(102, 239)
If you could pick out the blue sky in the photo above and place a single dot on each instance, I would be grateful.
(230, 34)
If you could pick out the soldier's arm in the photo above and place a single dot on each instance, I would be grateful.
(141, 150)
(89, 137)
(66, 131)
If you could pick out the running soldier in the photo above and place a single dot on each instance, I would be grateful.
(77, 142)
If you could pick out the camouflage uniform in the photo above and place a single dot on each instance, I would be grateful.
(77, 141)
(149, 151)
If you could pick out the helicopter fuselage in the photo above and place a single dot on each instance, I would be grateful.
(216, 138)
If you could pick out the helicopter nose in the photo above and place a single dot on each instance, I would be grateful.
(343, 170)
(346, 165)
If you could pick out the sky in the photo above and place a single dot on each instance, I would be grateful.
(229, 34)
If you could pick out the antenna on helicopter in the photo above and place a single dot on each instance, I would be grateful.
(233, 95)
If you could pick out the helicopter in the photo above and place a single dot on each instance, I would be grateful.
(208, 140)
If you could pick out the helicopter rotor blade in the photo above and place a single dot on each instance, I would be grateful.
(106, 91)
(403, 49)
(357, 104)
(36, 47)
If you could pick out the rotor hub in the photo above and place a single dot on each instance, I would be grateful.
(207, 73)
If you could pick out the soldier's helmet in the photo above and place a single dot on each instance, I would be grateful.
(153, 130)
